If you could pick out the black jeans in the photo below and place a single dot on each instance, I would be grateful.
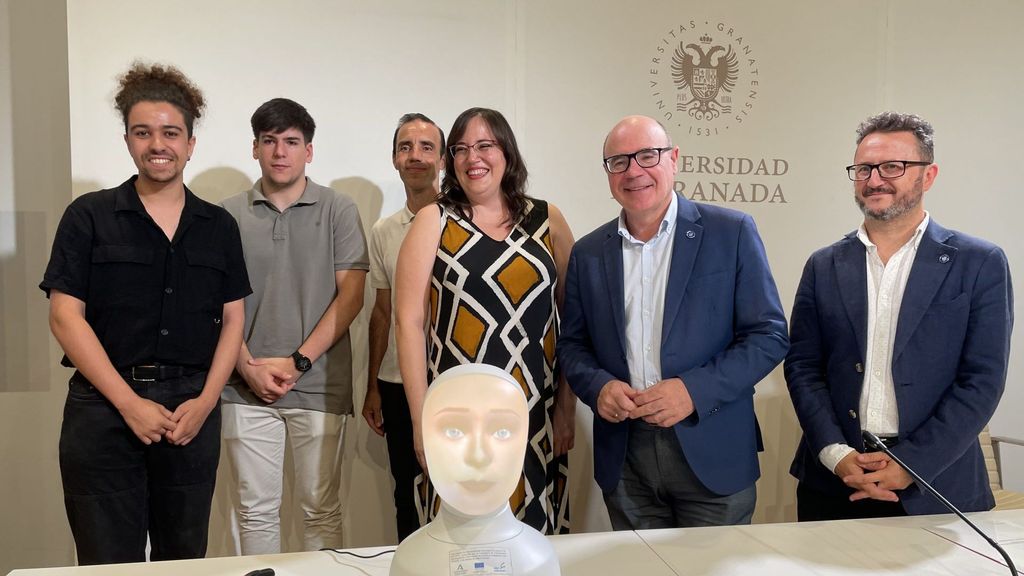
(117, 489)
(814, 505)
(401, 455)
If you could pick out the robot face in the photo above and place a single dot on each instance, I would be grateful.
(475, 426)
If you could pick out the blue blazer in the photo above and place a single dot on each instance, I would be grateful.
(723, 331)
(948, 364)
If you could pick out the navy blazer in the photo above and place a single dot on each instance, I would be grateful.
(948, 363)
(723, 331)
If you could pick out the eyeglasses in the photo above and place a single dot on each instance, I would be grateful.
(888, 170)
(482, 147)
(646, 158)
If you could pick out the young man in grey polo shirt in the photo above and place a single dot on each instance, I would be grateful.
(306, 254)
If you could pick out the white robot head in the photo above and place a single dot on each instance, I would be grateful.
(475, 427)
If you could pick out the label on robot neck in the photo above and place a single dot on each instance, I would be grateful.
(476, 561)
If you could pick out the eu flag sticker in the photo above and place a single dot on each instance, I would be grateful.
(480, 562)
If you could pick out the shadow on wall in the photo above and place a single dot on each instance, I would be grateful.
(776, 489)
(587, 512)
(217, 184)
(368, 197)
(365, 463)
(25, 364)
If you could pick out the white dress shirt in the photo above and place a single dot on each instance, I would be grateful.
(645, 267)
(886, 284)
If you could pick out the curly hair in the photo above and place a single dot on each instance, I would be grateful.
(513, 181)
(159, 83)
(897, 122)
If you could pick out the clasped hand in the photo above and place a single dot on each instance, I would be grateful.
(270, 378)
(152, 422)
(873, 475)
(664, 404)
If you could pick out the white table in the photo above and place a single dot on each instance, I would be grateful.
(886, 546)
(294, 564)
(620, 553)
(1006, 528)
(922, 545)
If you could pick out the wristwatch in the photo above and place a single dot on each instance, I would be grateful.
(302, 364)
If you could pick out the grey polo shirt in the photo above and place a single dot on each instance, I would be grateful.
(291, 257)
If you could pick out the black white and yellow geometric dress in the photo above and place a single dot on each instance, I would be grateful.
(493, 302)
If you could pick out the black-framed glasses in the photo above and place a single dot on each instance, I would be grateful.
(646, 158)
(481, 146)
(888, 170)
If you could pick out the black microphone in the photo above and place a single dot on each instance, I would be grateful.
(876, 443)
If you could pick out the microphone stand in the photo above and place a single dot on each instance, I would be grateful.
(876, 443)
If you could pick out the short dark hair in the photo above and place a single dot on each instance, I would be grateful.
(277, 115)
(896, 122)
(410, 117)
(159, 83)
(513, 182)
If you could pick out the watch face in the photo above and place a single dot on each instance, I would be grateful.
(302, 364)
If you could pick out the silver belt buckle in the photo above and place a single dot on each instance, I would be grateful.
(137, 379)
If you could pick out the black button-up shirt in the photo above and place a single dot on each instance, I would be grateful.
(149, 300)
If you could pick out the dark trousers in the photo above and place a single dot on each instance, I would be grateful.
(814, 505)
(117, 489)
(401, 455)
(658, 489)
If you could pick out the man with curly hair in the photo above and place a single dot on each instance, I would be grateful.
(145, 282)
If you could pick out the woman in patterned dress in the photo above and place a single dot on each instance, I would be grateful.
(483, 268)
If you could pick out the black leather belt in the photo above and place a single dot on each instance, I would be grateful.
(158, 372)
(889, 442)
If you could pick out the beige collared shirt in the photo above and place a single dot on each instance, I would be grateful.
(385, 241)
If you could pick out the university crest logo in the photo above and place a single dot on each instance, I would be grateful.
(706, 74)
(704, 77)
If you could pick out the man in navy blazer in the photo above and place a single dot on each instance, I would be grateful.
(901, 328)
(671, 316)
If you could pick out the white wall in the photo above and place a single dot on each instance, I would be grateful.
(563, 72)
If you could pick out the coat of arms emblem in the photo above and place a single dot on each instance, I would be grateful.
(706, 76)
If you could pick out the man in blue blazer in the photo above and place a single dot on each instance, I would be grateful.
(901, 328)
(671, 316)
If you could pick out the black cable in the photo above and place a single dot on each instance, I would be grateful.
(270, 571)
(336, 551)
